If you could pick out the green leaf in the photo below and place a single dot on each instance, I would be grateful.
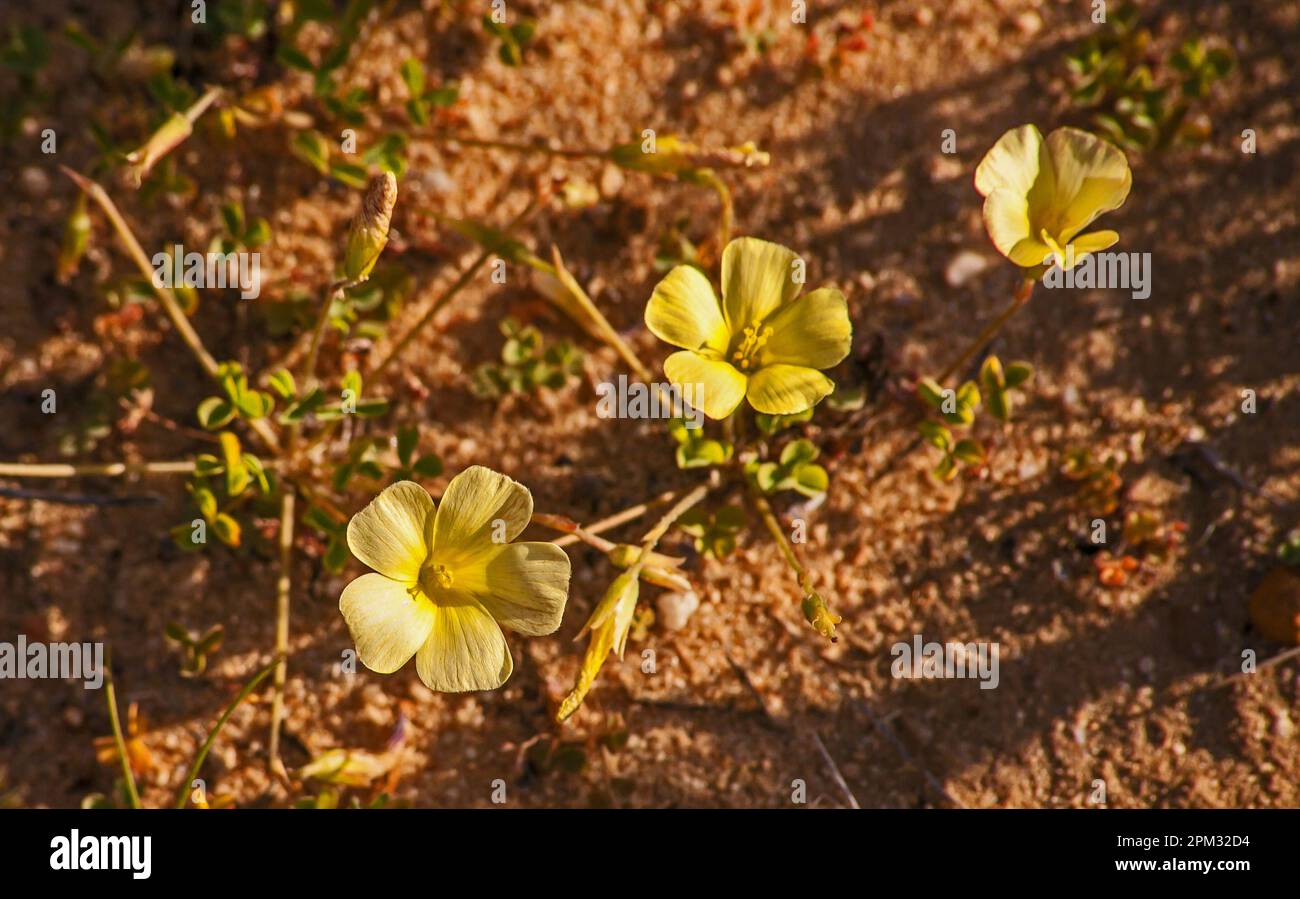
(931, 392)
(1000, 405)
(811, 479)
(350, 174)
(255, 404)
(936, 434)
(406, 441)
(257, 471)
(258, 233)
(372, 408)
(798, 452)
(336, 555)
(215, 413)
(968, 451)
(206, 465)
(322, 521)
(283, 383)
(429, 466)
(236, 475)
(233, 216)
(212, 640)
(352, 381)
(1018, 373)
(991, 375)
(490, 239)
(729, 519)
(206, 501)
(313, 148)
(294, 58)
(413, 75)
(227, 530)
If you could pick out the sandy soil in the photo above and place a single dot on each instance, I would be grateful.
(1096, 682)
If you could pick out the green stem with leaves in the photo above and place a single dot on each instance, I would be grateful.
(165, 295)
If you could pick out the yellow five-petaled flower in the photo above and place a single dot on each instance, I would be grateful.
(1040, 194)
(763, 342)
(449, 579)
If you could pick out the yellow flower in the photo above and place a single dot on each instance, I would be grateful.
(762, 342)
(449, 579)
(1039, 194)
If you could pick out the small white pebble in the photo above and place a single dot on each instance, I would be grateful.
(675, 609)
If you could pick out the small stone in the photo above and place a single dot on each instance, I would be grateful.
(34, 181)
(611, 180)
(675, 609)
(963, 267)
(1029, 23)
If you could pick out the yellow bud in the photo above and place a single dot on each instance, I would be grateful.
(820, 616)
(369, 233)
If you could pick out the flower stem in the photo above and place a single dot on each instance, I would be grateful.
(778, 534)
(990, 331)
(661, 527)
(91, 469)
(333, 292)
(710, 178)
(606, 524)
(110, 695)
(282, 589)
(182, 792)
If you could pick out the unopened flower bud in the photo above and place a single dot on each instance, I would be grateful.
(369, 233)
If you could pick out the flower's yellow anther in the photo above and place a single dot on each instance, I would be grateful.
(436, 575)
(752, 339)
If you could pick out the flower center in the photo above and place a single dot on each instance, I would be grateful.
(752, 339)
(435, 575)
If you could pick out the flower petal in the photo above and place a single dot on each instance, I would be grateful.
(1092, 177)
(389, 534)
(523, 585)
(1006, 218)
(465, 650)
(711, 385)
(787, 389)
(1093, 242)
(465, 524)
(388, 622)
(814, 331)
(1012, 164)
(684, 311)
(757, 277)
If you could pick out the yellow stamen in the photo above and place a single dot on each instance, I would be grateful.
(752, 340)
